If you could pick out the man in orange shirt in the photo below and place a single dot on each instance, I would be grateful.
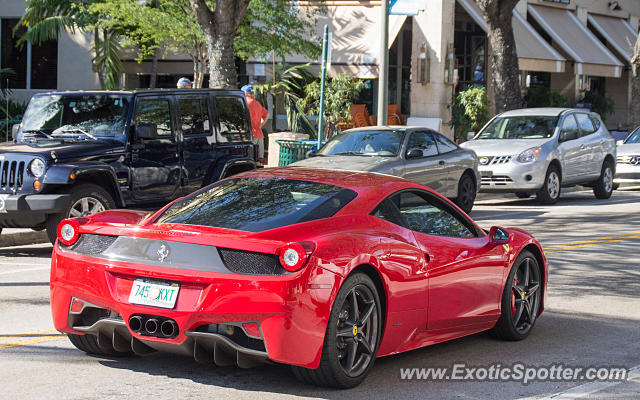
(259, 117)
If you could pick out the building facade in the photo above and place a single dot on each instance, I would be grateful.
(570, 46)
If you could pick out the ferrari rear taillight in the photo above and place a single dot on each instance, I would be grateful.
(294, 255)
(68, 231)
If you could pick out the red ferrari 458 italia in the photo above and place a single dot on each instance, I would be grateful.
(323, 270)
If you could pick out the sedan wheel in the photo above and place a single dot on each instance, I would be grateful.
(352, 336)
(466, 193)
(521, 299)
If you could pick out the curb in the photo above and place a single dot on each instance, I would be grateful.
(22, 237)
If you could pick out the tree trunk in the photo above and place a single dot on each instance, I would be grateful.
(219, 27)
(222, 65)
(154, 69)
(503, 59)
(634, 106)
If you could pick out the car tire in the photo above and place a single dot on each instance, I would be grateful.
(97, 199)
(549, 193)
(604, 185)
(523, 195)
(89, 344)
(466, 193)
(340, 342)
(516, 317)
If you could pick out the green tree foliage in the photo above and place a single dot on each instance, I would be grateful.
(253, 27)
(288, 88)
(341, 91)
(153, 26)
(470, 112)
(600, 104)
(540, 96)
(47, 18)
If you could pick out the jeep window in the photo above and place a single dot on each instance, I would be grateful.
(520, 127)
(194, 115)
(156, 112)
(60, 115)
(232, 117)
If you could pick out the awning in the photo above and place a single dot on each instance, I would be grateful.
(590, 55)
(618, 33)
(534, 53)
(355, 38)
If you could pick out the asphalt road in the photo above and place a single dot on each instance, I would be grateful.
(592, 319)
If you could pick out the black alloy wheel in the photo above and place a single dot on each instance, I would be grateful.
(352, 337)
(521, 299)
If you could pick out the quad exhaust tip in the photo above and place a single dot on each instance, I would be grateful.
(149, 325)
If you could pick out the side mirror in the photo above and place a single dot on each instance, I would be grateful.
(568, 135)
(147, 131)
(470, 135)
(414, 153)
(498, 235)
(619, 142)
(14, 130)
(311, 153)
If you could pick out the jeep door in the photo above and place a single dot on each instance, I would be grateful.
(155, 158)
(198, 139)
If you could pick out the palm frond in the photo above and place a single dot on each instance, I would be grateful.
(48, 29)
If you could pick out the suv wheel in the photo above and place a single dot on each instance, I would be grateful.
(604, 185)
(86, 199)
(550, 191)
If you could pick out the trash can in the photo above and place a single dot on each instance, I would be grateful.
(293, 150)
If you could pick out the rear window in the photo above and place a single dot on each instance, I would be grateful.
(258, 204)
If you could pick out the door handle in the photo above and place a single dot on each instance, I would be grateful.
(427, 257)
(441, 162)
(582, 147)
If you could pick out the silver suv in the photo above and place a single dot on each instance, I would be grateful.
(541, 150)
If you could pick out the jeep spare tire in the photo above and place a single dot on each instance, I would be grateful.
(86, 199)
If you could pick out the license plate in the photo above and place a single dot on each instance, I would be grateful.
(154, 293)
(3, 206)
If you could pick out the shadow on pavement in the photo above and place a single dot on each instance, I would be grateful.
(41, 251)
(557, 338)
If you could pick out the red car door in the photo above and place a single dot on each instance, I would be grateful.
(465, 271)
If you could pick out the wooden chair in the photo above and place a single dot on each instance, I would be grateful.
(394, 115)
(360, 115)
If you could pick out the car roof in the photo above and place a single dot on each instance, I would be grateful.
(385, 128)
(543, 111)
(138, 91)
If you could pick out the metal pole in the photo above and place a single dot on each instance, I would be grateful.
(383, 70)
(323, 78)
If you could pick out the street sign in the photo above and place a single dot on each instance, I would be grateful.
(405, 7)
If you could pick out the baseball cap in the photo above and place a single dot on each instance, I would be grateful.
(247, 88)
(182, 82)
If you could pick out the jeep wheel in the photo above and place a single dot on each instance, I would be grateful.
(86, 199)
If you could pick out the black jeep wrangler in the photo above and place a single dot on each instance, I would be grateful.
(78, 153)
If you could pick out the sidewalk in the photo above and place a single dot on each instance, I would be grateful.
(21, 237)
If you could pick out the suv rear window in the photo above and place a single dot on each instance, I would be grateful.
(258, 204)
(232, 117)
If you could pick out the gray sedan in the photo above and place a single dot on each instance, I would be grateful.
(414, 153)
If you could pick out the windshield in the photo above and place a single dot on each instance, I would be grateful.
(258, 204)
(634, 137)
(76, 115)
(368, 143)
(524, 127)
